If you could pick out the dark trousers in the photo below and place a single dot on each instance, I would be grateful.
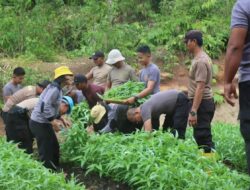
(202, 131)
(177, 122)
(244, 100)
(17, 128)
(48, 146)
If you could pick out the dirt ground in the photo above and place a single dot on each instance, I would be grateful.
(93, 181)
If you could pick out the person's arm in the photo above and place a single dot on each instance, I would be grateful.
(109, 83)
(152, 79)
(142, 94)
(148, 125)
(232, 61)
(89, 75)
(201, 73)
(196, 103)
(239, 30)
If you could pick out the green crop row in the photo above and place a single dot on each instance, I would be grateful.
(20, 171)
(230, 145)
(150, 161)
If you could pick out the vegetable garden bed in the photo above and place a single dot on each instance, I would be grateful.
(152, 161)
(19, 171)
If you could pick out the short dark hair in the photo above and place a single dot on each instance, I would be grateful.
(19, 71)
(79, 78)
(143, 49)
(194, 35)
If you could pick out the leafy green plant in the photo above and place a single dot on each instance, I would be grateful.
(45, 28)
(218, 98)
(20, 171)
(125, 91)
(150, 161)
(81, 114)
(230, 145)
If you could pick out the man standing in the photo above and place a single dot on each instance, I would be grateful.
(88, 90)
(238, 56)
(150, 74)
(121, 72)
(100, 72)
(15, 84)
(202, 106)
(172, 103)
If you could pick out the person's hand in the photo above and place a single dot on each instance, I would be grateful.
(65, 122)
(56, 124)
(90, 130)
(130, 100)
(230, 93)
(192, 120)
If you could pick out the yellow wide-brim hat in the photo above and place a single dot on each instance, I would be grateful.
(63, 70)
(97, 113)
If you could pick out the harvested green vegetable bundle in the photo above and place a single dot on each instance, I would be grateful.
(125, 91)
(81, 113)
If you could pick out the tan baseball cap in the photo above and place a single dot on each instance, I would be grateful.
(97, 112)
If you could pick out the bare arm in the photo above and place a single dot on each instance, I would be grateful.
(232, 61)
(109, 84)
(148, 125)
(148, 90)
(89, 75)
(192, 119)
(198, 96)
(234, 52)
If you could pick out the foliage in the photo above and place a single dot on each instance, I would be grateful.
(218, 98)
(125, 91)
(20, 171)
(81, 114)
(230, 145)
(150, 161)
(44, 28)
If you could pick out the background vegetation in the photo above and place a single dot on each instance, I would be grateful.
(42, 29)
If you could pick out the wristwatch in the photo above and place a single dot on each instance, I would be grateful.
(193, 113)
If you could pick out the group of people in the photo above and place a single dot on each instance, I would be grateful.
(36, 111)
(40, 107)
(196, 108)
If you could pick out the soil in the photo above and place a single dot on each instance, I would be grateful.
(93, 181)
